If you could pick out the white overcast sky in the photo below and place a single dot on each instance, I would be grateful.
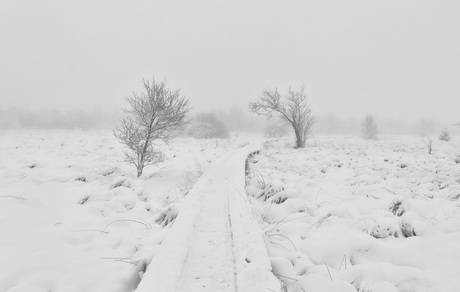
(396, 59)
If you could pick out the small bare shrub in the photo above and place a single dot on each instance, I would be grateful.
(428, 141)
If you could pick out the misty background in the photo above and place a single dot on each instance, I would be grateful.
(70, 64)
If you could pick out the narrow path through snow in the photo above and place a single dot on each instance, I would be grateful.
(215, 244)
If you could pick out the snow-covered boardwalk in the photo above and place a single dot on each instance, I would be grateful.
(215, 243)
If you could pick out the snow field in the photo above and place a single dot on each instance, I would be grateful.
(345, 214)
(73, 216)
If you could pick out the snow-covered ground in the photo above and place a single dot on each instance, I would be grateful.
(342, 214)
(73, 216)
(345, 214)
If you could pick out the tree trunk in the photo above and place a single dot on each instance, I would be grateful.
(140, 168)
(299, 141)
(141, 164)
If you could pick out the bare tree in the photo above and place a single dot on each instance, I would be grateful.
(293, 108)
(152, 116)
(429, 143)
(369, 128)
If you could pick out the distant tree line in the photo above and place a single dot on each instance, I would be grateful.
(206, 126)
(235, 119)
(335, 125)
(55, 119)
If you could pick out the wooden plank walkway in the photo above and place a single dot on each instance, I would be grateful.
(215, 243)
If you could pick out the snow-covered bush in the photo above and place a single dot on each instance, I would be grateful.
(206, 126)
(444, 136)
(397, 207)
(407, 229)
(382, 229)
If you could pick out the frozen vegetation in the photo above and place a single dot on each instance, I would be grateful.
(345, 214)
(342, 214)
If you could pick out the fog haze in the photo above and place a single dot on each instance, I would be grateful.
(394, 59)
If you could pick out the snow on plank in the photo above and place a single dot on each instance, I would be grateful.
(215, 244)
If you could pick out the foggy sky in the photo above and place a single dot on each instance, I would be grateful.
(397, 59)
